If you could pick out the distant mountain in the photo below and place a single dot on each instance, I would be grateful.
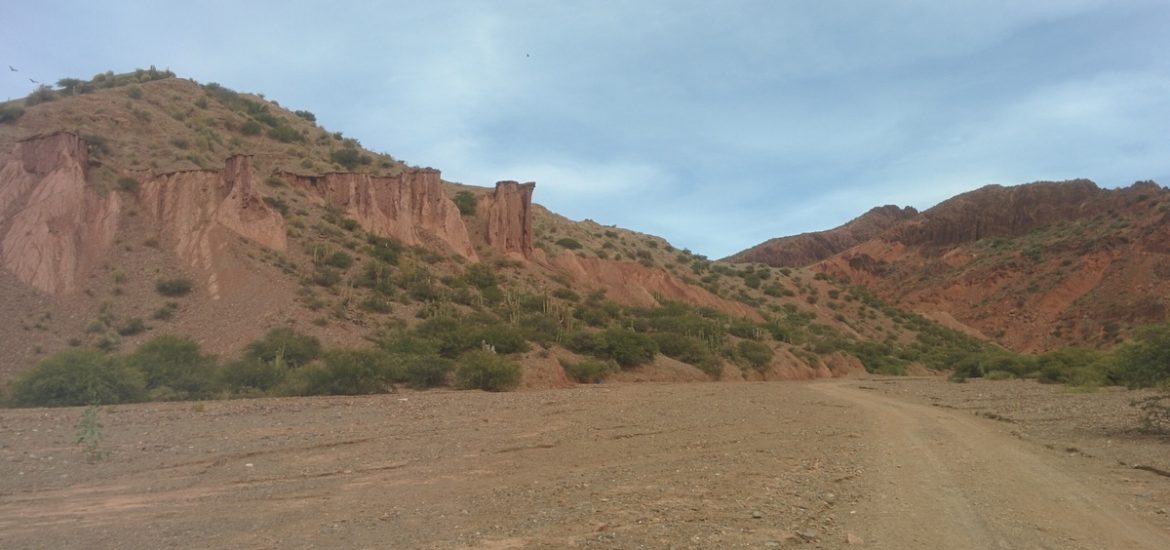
(808, 248)
(1034, 267)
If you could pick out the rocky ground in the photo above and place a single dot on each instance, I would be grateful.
(877, 463)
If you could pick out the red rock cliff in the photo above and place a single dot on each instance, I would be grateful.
(809, 248)
(53, 226)
(410, 206)
(198, 210)
(509, 218)
(998, 211)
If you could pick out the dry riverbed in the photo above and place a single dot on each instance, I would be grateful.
(869, 463)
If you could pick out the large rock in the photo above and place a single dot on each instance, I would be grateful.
(53, 226)
(198, 210)
(509, 218)
(410, 206)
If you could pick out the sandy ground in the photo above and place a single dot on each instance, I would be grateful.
(873, 463)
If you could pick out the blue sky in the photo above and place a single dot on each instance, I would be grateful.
(714, 124)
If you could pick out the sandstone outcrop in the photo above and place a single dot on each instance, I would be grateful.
(410, 206)
(809, 248)
(198, 210)
(53, 226)
(509, 218)
(631, 283)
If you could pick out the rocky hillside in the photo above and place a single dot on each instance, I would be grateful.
(1034, 267)
(808, 248)
(141, 204)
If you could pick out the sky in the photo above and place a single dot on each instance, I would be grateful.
(716, 125)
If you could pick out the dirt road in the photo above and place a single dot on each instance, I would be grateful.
(727, 465)
(950, 480)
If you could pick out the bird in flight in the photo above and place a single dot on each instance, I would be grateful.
(11, 68)
(33, 81)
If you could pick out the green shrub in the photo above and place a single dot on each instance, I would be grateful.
(128, 184)
(338, 259)
(757, 355)
(745, 329)
(286, 134)
(466, 202)
(278, 204)
(566, 294)
(456, 336)
(306, 115)
(132, 326)
(9, 113)
(1072, 365)
(1144, 362)
(287, 346)
(349, 157)
(426, 371)
(179, 286)
(480, 276)
(326, 277)
(77, 377)
(249, 375)
(571, 244)
(376, 304)
(43, 94)
(484, 370)
(589, 371)
(350, 372)
(251, 128)
(682, 347)
(174, 362)
(628, 348)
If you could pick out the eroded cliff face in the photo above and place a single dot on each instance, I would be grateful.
(509, 218)
(199, 211)
(631, 283)
(53, 227)
(410, 207)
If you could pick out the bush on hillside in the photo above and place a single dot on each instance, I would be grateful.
(349, 372)
(426, 371)
(484, 370)
(78, 377)
(466, 202)
(9, 113)
(757, 355)
(628, 348)
(178, 286)
(286, 346)
(250, 376)
(589, 371)
(1144, 362)
(174, 366)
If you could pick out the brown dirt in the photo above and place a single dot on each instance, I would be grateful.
(856, 463)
